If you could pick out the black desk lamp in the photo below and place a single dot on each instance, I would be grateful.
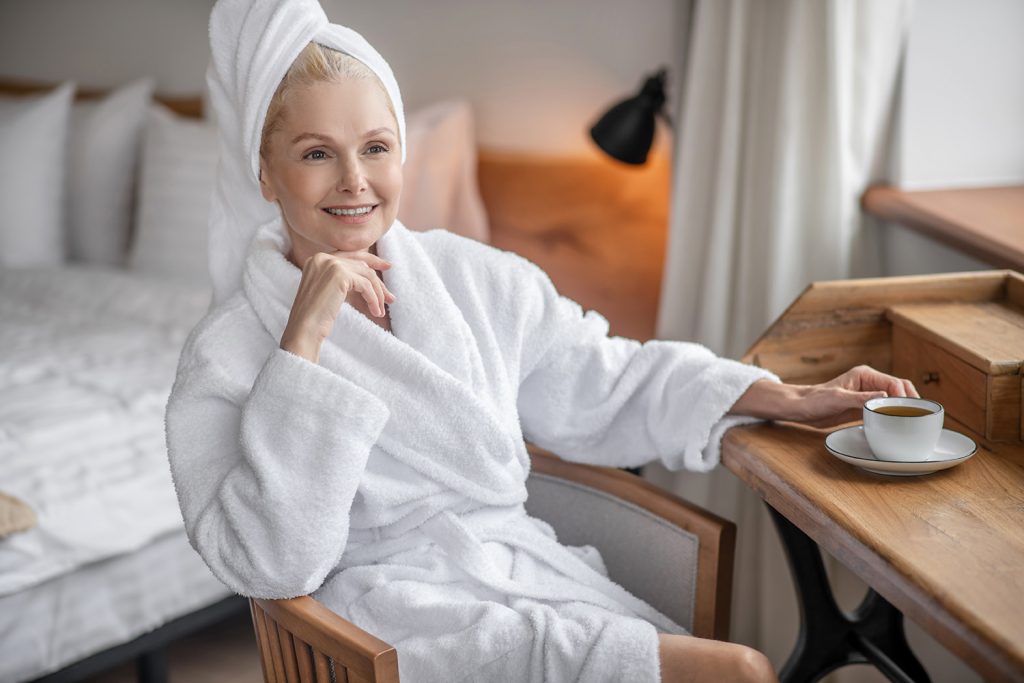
(626, 131)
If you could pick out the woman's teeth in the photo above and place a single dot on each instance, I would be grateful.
(350, 212)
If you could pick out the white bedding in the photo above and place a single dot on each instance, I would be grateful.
(87, 359)
(55, 623)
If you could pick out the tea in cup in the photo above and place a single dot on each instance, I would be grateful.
(903, 429)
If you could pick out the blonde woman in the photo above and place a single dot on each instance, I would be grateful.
(348, 419)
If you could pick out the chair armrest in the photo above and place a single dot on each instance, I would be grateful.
(364, 656)
(671, 553)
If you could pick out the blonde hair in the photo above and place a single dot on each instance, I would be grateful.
(315, 64)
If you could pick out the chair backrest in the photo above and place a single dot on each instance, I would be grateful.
(301, 641)
(670, 553)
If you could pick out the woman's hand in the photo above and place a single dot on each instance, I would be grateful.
(327, 280)
(821, 405)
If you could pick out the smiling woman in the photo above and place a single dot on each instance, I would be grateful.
(385, 474)
(330, 157)
(334, 167)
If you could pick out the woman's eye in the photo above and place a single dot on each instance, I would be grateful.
(377, 149)
(315, 151)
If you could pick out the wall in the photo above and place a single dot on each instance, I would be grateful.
(963, 95)
(537, 73)
(961, 122)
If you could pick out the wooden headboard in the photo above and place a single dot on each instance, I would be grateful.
(186, 106)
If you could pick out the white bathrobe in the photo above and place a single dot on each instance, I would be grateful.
(389, 479)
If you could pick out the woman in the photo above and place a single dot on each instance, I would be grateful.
(348, 419)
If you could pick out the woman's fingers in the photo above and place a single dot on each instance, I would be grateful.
(378, 293)
(364, 286)
(869, 379)
(910, 389)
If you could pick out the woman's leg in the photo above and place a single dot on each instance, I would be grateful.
(685, 659)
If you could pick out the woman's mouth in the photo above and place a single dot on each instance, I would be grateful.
(354, 214)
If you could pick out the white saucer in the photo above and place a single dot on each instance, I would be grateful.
(850, 446)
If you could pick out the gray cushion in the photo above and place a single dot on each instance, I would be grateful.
(653, 559)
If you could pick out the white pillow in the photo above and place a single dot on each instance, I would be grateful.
(440, 188)
(103, 160)
(179, 165)
(33, 151)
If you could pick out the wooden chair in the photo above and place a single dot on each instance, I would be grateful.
(675, 555)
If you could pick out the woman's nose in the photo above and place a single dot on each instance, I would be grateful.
(351, 177)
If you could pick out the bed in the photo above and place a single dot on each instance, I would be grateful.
(103, 199)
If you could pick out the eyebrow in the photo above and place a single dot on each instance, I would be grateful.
(326, 138)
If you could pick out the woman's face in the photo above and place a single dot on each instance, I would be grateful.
(334, 167)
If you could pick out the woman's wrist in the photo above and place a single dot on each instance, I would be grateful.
(301, 346)
(770, 400)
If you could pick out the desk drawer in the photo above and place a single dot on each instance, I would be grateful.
(988, 404)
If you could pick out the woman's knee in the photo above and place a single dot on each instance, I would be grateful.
(754, 666)
(698, 660)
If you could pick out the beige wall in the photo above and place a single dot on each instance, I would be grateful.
(961, 123)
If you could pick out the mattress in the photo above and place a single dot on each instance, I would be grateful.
(87, 360)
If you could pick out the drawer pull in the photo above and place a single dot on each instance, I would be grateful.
(930, 377)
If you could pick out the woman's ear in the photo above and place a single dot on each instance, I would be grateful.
(265, 189)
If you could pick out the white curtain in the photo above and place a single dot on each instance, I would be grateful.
(783, 116)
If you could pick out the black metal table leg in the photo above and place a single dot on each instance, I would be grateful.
(151, 667)
(830, 638)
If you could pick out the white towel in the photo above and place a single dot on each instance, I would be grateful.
(253, 43)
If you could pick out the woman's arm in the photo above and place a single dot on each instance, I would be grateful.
(614, 401)
(833, 402)
(266, 475)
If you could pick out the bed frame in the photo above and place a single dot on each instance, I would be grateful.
(149, 649)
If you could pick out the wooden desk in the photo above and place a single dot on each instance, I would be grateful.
(986, 223)
(946, 549)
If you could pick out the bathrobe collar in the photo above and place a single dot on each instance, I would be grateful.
(430, 362)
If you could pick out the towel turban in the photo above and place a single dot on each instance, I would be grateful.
(253, 43)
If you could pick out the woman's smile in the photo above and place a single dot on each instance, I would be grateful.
(357, 214)
(334, 167)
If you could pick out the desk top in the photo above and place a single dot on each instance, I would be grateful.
(946, 549)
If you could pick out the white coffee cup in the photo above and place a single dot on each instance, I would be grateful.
(904, 438)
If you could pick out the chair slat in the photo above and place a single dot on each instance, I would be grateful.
(263, 640)
(342, 674)
(323, 670)
(275, 650)
(304, 660)
(291, 669)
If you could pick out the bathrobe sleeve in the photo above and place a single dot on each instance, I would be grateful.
(615, 401)
(266, 474)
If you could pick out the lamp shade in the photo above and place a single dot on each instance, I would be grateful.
(626, 130)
